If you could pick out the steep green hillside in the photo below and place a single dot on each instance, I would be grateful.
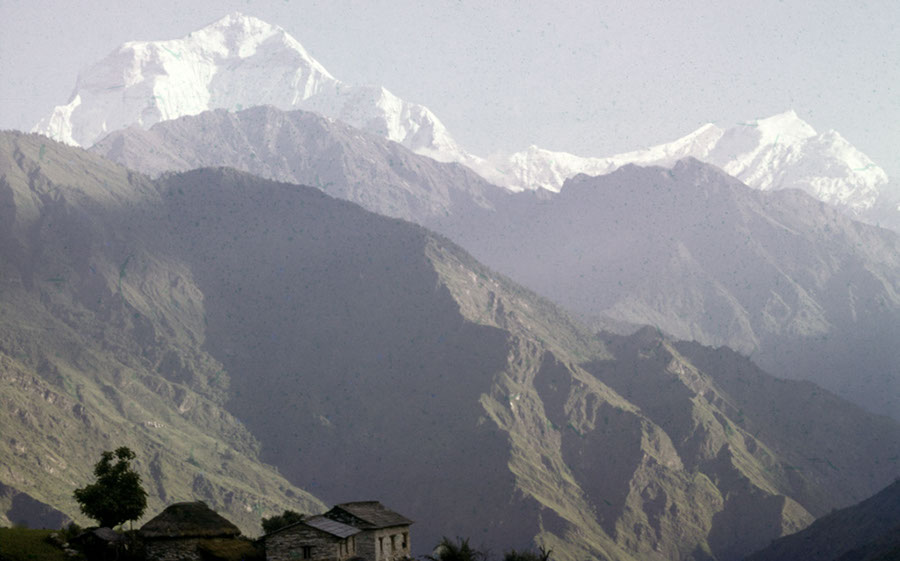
(101, 346)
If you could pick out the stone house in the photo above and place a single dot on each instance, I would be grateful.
(384, 534)
(183, 530)
(315, 537)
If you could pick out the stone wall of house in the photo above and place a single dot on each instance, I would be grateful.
(287, 545)
(366, 545)
(389, 544)
(173, 549)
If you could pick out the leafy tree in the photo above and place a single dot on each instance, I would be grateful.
(277, 521)
(117, 495)
(460, 550)
(540, 555)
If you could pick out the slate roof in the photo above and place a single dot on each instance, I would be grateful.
(323, 524)
(188, 520)
(333, 527)
(371, 514)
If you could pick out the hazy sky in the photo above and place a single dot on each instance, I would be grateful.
(591, 78)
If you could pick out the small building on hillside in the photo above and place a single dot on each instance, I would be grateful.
(183, 530)
(384, 534)
(315, 537)
(99, 543)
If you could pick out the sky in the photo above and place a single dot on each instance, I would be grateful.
(590, 78)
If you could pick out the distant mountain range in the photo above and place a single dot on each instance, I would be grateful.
(805, 290)
(780, 152)
(196, 315)
(240, 62)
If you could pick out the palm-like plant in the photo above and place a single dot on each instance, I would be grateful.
(460, 550)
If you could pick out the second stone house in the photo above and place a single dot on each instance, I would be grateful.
(363, 530)
(384, 534)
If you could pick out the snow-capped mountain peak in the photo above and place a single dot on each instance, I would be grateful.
(537, 168)
(239, 35)
(235, 62)
(240, 61)
(781, 151)
(785, 127)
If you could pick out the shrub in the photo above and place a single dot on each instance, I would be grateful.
(273, 523)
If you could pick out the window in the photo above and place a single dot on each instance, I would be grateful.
(393, 544)
(381, 545)
(405, 543)
(307, 552)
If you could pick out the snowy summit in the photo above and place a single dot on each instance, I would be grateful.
(779, 152)
(236, 62)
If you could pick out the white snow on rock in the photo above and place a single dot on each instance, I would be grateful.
(236, 62)
(780, 152)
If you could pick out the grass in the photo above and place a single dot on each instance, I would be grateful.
(21, 544)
